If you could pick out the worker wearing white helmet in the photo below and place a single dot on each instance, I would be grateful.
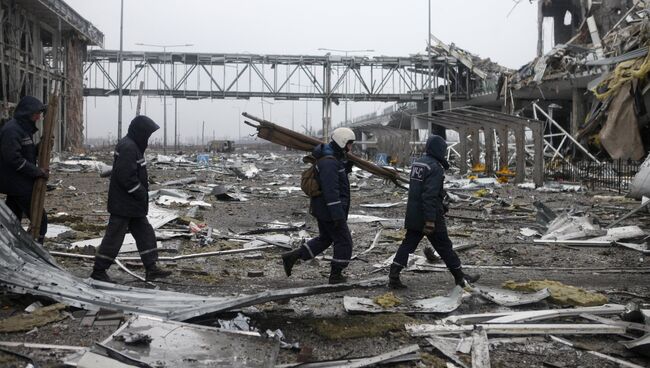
(331, 207)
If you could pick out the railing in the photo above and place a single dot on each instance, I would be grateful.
(613, 175)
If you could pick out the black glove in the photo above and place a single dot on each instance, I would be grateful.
(348, 166)
(140, 194)
(45, 174)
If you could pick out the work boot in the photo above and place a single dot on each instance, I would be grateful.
(462, 279)
(289, 259)
(100, 275)
(155, 272)
(336, 276)
(430, 255)
(393, 277)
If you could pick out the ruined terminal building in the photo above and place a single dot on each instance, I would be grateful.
(43, 43)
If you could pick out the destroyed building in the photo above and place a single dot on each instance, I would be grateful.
(43, 47)
(563, 263)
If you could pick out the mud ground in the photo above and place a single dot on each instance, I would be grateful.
(493, 229)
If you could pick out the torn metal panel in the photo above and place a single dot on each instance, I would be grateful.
(516, 329)
(510, 298)
(438, 304)
(643, 248)
(176, 344)
(640, 345)
(619, 362)
(480, 349)
(26, 268)
(447, 346)
(567, 227)
(618, 233)
(640, 185)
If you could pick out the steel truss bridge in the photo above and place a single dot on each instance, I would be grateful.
(331, 78)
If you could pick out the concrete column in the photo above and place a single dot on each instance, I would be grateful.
(520, 142)
(462, 150)
(538, 163)
(489, 150)
(476, 146)
(578, 110)
(503, 147)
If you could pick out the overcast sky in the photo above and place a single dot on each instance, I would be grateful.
(296, 27)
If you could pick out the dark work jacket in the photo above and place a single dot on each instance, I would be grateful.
(426, 191)
(18, 152)
(128, 192)
(334, 202)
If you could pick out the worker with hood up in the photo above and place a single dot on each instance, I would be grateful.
(425, 215)
(18, 170)
(330, 208)
(128, 203)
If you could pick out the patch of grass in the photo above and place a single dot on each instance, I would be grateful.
(388, 300)
(351, 327)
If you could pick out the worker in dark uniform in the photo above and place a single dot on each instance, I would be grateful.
(425, 215)
(18, 170)
(330, 208)
(128, 203)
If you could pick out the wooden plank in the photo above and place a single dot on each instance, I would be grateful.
(480, 349)
(40, 184)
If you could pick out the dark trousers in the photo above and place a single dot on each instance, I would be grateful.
(145, 240)
(439, 240)
(22, 205)
(328, 234)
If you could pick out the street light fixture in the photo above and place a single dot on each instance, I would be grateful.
(165, 47)
(346, 77)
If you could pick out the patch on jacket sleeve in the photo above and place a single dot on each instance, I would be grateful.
(418, 171)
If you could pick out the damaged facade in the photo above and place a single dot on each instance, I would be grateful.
(43, 46)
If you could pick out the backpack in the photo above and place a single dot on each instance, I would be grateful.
(308, 181)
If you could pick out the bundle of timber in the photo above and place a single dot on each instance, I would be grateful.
(288, 138)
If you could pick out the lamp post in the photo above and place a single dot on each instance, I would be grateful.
(165, 47)
(346, 77)
(119, 73)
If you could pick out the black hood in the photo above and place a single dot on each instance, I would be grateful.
(437, 148)
(27, 106)
(140, 129)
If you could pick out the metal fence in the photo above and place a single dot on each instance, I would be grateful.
(615, 175)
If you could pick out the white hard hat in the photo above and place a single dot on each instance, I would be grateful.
(341, 136)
